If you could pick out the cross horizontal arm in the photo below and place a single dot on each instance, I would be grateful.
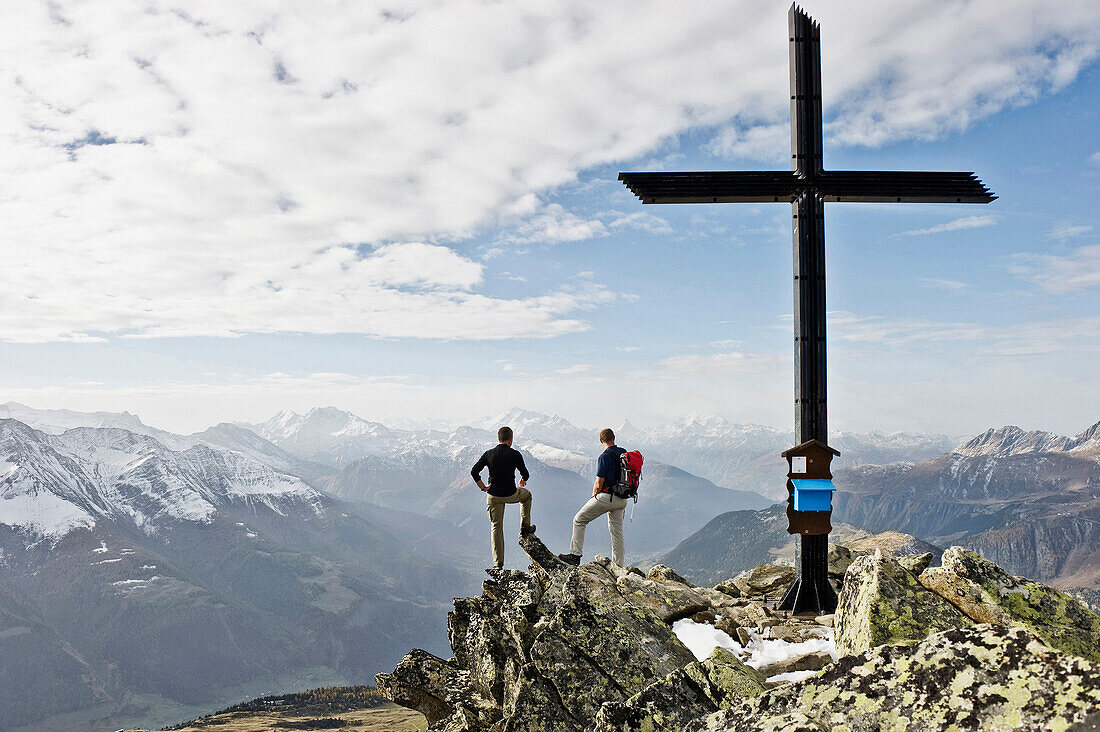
(774, 186)
(713, 187)
(902, 187)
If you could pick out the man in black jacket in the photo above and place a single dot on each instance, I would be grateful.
(503, 462)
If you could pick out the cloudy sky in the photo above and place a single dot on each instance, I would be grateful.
(214, 211)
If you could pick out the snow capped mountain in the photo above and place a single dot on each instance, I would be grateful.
(1011, 440)
(56, 421)
(247, 442)
(330, 435)
(54, 483)
(549, 430)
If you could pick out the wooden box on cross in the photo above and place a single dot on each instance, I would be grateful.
(809, 488)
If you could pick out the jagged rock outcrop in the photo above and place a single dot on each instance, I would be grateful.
(593, 649)
(982, 677)
(882, 602)
(543, 650)
(988, 594)
(683, 696)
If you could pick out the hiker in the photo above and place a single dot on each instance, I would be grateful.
(503, 462)
(602, 501)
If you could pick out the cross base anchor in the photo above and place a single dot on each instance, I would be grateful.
(811, 591)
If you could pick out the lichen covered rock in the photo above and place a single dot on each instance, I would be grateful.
(981, 677)
(882, 602)
(661, 573)
(672, 703)
(915, 563)
(768, 580)
(544, 649)
(987, 593)
(591, 649)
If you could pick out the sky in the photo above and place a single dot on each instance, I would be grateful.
(216, 211)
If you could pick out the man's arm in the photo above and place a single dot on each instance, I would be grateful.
(524, 476)
(597, 487)
(476, 472)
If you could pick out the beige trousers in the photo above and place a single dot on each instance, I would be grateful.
(597, 506)
(495, 507)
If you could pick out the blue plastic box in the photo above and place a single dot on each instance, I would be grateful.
(813, 494)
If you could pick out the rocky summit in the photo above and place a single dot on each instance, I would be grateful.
(603, 648)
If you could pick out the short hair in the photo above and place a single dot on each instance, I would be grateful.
(607, 436)
(504, 434)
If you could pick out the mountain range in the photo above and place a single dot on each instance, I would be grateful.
(1029, 501)
(152, 576)
(135, 577)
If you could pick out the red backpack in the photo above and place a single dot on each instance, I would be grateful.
(630, 474)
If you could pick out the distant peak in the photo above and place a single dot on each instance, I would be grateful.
(1012, 440)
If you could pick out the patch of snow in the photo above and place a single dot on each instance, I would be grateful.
(129, 582)
(101, 549)
(702, 638)
(45, 514)
(792, 676)
(107, 561)
(250, 535)
(764, 652)
(148, 566)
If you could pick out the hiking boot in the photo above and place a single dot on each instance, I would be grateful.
(526, 530)
(574, 559)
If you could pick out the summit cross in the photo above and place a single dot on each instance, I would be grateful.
(807, 187)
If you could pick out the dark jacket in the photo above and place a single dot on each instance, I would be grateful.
(503, 462)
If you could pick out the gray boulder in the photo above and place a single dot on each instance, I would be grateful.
(544, 649)
(981, 677)
(988, 594)
(882, 602)
(661, 573)
(670, 704)
(915, 563)
(769, 580)
(814, 661)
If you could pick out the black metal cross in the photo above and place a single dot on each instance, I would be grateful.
(807, 187)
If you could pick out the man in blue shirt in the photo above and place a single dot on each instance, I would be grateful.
(602, 501)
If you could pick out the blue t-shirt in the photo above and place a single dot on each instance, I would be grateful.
(607, 467)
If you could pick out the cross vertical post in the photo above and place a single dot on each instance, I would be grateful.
(807, 187)
(811, 589)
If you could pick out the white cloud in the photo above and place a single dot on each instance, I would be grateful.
(953, 286)
(1060, 273)
(917, 336)
(553, 224)
(1065, 230)
(1095, 158)
(966, 222)
(728, 363)
(216, 168)
(894, 332)
(638, 220)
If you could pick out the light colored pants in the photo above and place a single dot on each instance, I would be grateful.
(495, 507)
(598, 505)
